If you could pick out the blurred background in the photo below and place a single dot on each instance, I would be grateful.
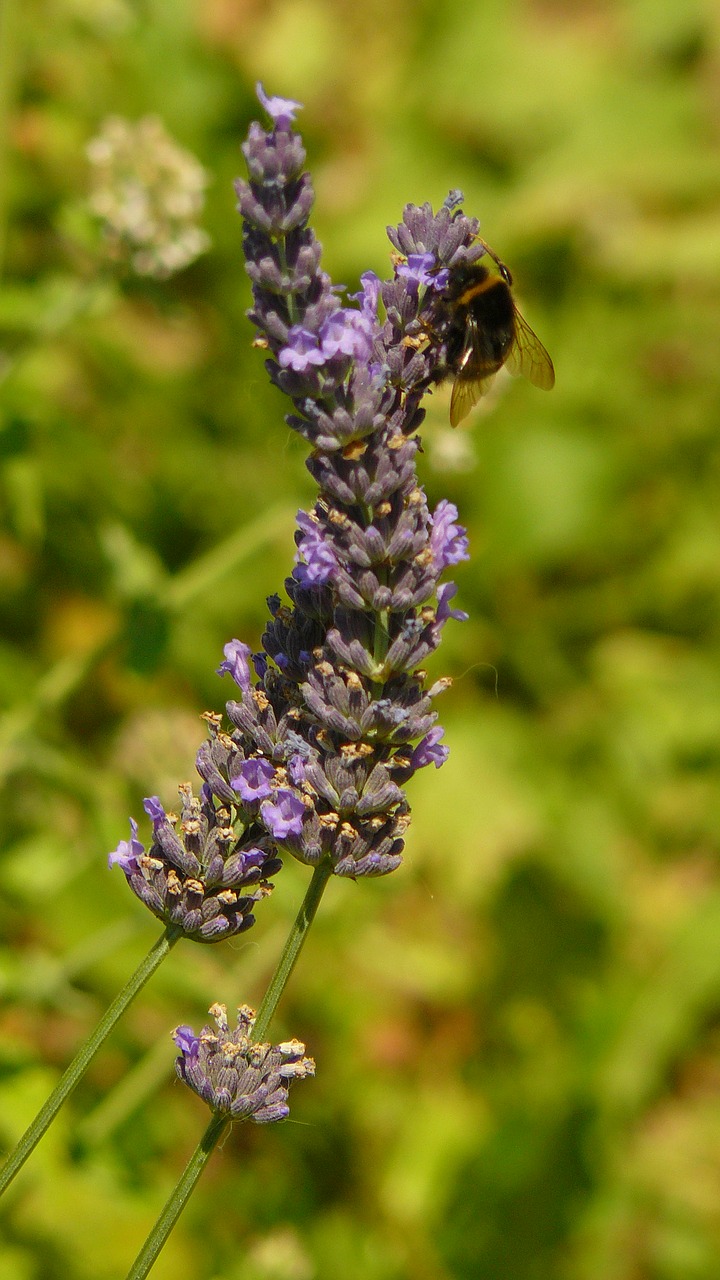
(518, 1033)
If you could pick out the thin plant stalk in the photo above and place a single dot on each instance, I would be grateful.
(292, 949)
(85, 1055)
(220, 1122)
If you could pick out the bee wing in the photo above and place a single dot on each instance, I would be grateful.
(528, 356)
(467, 389)
(465, 394)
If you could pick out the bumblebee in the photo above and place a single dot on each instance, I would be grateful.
(486, 331)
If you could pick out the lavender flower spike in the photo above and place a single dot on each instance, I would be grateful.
(334, 716)
(236, 1075)
(338, 717)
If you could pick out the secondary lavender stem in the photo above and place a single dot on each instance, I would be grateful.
(84, 1057)
(221, 1120)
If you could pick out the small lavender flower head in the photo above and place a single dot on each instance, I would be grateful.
(148, 193)
(334, 716)
(236, 1075)
(202, 874)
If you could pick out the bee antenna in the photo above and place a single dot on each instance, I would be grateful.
(504, 271)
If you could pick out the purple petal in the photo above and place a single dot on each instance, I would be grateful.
(154, 810)
(253, 780)
(421, 271)
(237, 664)
(445, 595)
(348, 333)
(429, 751)
(128, 851)
(253, 857)
(260, 663)
(369, 295)
(316, 550)
(448, 540)
(296, 770)
(281, 110)
(284, 816)
(302, 352)
(186, 1041)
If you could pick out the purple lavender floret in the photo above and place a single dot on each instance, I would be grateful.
(421, 272)
(281, 110)
(430, 750)
(236, 1075)
(186, 1041)
(253, 781)
(237, 664)
(320, 562)
(448, 540)
(128, 852)
(283, 816)
(339, 709)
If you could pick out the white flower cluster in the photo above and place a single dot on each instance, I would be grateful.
(148, 192)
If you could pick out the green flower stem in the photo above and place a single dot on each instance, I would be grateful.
(292, 949)
(220, 1121)
(84, 1057)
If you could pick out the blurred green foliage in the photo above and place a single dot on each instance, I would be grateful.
(518, 1034)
